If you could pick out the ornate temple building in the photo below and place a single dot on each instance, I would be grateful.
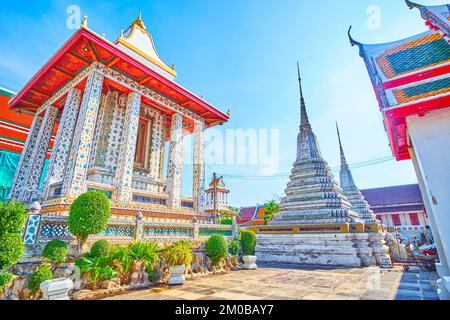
(411, 81)
(400, 207)
(217, 198)
(14, 129)
(355, 197)
(317, 224)
(116, 111)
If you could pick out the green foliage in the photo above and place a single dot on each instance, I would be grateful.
(248, 242)
(43, 273)
(56, 251)
(270, 209)
(11, 249)
(5, 280)
(12, 217)
(100, 248)
(98, 267)
(216, 248)
(89, 214)
(226, 221)
(234, 247)
(179, 253)
(147, 252)
(122, 256)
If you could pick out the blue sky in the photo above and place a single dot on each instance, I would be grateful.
(241, 55)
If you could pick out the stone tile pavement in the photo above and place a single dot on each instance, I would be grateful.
(287, 282)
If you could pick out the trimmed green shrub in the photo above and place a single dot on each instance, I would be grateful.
(56, 251)
(12, 217)
(216, 248)
(11, 249)
(100, 248)
(43, 273)
(248, 242)
(5, 280)
(89, 214)
(226, 221)
(234, 247)
(179, 253)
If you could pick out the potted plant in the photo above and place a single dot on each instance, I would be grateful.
(248, 244)
(178, 256)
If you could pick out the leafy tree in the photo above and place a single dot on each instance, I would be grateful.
(89, 214)
(216, 248)
(270, 209)
(12, 217)
(11, 249)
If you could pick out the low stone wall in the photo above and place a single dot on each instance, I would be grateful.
(341, 249)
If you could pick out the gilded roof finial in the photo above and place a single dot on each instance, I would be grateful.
(84, 24)
(139, 21)
(229, 113)
(173, 67)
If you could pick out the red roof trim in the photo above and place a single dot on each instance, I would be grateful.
(417, 77)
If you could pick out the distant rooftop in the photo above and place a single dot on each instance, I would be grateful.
(402, 198)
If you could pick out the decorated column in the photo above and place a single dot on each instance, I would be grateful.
(75, 173)
(175, 165)
(37, 160)
(24, 163)
(125, 163)
(198, 192)
(61, 148)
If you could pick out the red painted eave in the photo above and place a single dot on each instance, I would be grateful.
(72, 59)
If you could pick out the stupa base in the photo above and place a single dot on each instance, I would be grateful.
(339, 249)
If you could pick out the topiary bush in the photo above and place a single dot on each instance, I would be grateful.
(5, 280)
(12, 217)
(89, 214)
(100, 248)
(56, 251)
(248, 242)
(43, 273)
(179, 253)
(11, 249)
(217, 249)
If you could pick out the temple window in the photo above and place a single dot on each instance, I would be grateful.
(143, 144)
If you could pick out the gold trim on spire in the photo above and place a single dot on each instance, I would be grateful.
(139, 21)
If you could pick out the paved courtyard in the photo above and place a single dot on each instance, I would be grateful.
(284, 282)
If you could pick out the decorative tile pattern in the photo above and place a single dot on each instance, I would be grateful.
(124, 173)
(32, 229)
(52, 230)
(39, 155)
(115, 132)
(61, 148)
(167, 232)
(422, 91)
(162, 148)
(118, 231)
(175, 166)
(97, 148)
(198, 186)
(27, 154)
(74, 180)
(148, 199)
(158, 138)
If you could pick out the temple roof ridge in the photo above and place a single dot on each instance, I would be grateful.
(138, 41)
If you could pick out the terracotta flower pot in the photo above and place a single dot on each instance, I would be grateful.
(177, 275)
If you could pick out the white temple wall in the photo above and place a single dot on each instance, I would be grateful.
(430, 139)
